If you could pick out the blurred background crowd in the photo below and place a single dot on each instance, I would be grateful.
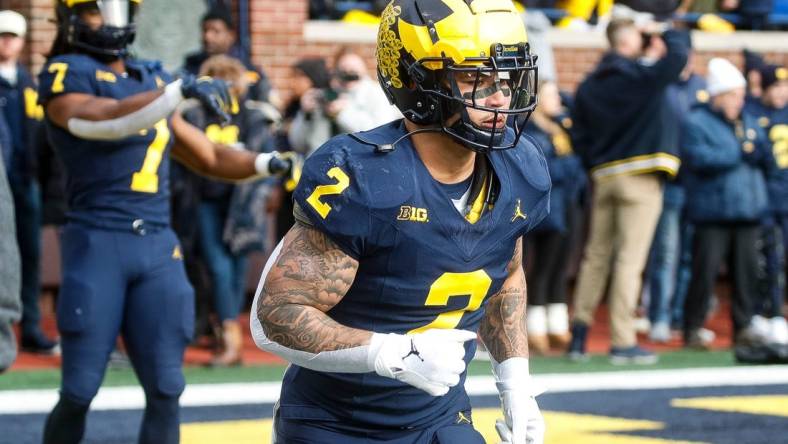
(668, 172)
(707, 15)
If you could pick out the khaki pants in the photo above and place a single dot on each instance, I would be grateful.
(624, 216)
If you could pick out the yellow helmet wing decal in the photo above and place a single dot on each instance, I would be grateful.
(489, 22)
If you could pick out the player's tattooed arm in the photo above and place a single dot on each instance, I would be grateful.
(503, 327)
(309, 277)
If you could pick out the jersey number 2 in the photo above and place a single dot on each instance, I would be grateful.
(474, 284)
(146, 180)
(328, 190)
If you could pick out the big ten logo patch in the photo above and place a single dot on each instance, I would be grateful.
(412, 214)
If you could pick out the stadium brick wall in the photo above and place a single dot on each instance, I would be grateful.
(277, 41)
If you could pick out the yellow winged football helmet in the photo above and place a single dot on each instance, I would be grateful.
(424, 45)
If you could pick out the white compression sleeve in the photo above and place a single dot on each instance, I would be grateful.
(130, 124)
(351, 360)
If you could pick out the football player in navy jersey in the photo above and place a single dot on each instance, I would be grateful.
(408, 242)
(111, 118)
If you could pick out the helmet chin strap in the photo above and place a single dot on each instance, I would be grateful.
(471, 136)
(465, 132)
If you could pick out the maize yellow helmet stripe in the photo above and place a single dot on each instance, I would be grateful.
(491, 21)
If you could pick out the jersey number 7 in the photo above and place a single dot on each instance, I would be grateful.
(146, 180)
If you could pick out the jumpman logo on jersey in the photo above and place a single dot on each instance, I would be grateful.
(518, 212)
(413, 352)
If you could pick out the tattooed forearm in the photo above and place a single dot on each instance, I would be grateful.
(503, 327)
(310, 276)
(516, 262)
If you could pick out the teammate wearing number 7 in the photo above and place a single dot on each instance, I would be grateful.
(113, 120)
(408, 242)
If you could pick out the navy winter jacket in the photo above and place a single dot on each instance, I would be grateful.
(774, 123)
(566, 172)
(680, 98)
(619, 114)
(725, 164)
(19, 105)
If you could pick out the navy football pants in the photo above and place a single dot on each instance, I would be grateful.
(448, 431)
(121, 282)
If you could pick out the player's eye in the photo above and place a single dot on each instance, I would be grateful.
(482, 92)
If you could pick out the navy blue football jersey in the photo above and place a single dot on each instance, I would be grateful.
(111, 182)
(422, 264)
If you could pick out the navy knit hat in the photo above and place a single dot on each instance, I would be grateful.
(752, 61)
(771, 74)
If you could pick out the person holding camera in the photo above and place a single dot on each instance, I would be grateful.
(310, 127)
(621, 134)
(360, 104)
(346, 102)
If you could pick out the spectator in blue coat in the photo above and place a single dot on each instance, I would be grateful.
(726, 159)
(772, 116)
(552, 242)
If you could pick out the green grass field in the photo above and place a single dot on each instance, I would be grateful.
(42, 379)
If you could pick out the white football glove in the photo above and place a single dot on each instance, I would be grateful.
(523, 422)
(431, 361)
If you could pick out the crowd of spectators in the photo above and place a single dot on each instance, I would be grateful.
(679, 173)
(708, 15)
(641, 117)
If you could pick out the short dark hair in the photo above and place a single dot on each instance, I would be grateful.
(221, 13)
(614, 28)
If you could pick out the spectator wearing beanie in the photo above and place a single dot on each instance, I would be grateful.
(725, 160)
(620, 133)
(753, 62)
(771, 113)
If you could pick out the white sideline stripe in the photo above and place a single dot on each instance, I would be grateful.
(644, 379)
(196, 395)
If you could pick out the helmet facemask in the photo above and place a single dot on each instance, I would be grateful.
(467, 87)
(461, 89)
(116, 33)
